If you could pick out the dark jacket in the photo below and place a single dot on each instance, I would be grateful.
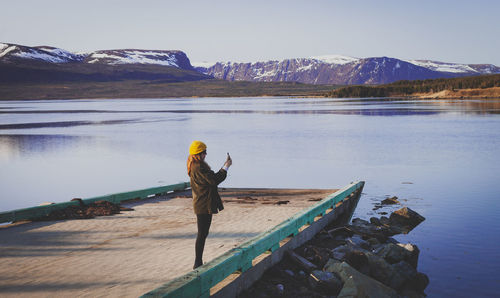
(204, 181)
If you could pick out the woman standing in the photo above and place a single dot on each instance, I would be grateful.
(206, 199)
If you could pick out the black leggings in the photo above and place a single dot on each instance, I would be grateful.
(204, 221)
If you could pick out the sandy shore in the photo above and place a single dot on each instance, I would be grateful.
(479, 93)
(131, 253)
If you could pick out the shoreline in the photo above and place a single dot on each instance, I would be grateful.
(478, 87)
(151, 89)
(470, 93)
(405, 97)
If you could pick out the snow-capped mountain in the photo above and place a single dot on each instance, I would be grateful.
(42, 53)
(336, 69)
(15, 53)
(48, 64)
(131, 56)
(456, 67)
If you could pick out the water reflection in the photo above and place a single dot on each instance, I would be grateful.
(490, 106)
(366, 107)
(68, 123)
(26, 145)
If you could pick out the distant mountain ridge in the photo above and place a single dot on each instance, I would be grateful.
(343, 70)
(174, 58)
(49, 64)
(16, 53)
(132, 56)
(44, 63)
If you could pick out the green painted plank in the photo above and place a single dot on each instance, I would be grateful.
(188, 285)
(198, 283)
(39, 211)
(221, 267)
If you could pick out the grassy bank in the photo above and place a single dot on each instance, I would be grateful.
(157, 89)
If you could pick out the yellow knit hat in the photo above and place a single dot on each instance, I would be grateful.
(197, 147)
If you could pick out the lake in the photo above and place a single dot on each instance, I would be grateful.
(440, 158)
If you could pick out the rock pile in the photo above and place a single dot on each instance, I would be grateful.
(99, 208)
(356, 260)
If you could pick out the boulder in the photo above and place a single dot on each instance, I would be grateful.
(358, 260)
(356, 284)
(317, 255)
(329, 265)
(339, 252)
(405, 270)
(392, 240)
(394, 253)
(375, 221)
(359, 222)
(357, 241)
(390, 201)
(384, 220)
(400, 222)
(415, 286)
(406, 219)
(373, 241)
(384, 272)
(413, 253)
(326, 282)
(420, 282)
(392, 275)
(368, 230)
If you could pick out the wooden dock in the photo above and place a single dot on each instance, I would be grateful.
(134, 252)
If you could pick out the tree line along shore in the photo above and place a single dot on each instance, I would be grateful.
(485, 86)
(157, 89)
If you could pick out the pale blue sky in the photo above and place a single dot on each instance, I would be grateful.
(213, 30)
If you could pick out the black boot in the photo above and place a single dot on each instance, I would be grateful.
(197, 264)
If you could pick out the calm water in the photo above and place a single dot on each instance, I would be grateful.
(441, 158)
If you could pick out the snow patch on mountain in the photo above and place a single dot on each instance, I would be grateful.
(443, 67)
(5, 49)
(203, 64)
(65, 55)
(135, 57)
(47, 54)
(336, 59)
(305, 67)
(40, 55)
(261, 74)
